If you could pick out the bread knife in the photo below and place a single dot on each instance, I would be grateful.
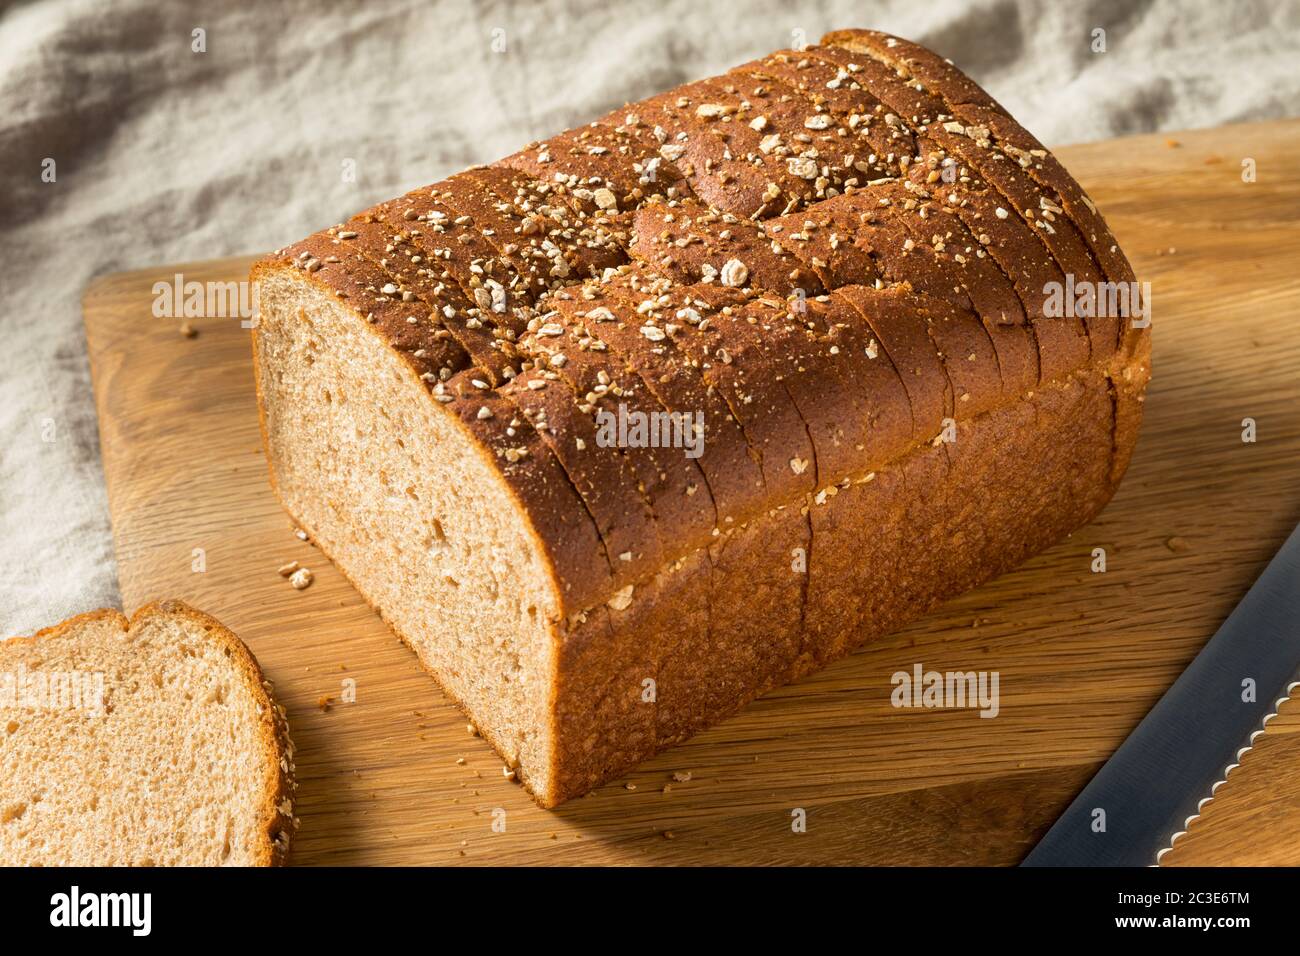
(1148, 792)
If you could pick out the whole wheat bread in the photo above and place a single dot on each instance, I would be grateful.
(148, 742)
(831, 263)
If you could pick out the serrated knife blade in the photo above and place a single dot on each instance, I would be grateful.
(1167, 769)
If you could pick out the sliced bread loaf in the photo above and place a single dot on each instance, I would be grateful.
(836, 275)
(152, 741)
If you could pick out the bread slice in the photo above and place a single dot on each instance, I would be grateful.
(152, 741)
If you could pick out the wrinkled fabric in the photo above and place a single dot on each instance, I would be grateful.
(163, 154)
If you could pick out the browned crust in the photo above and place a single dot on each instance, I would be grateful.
(612, 153)
(942, 523)
(906, 58)
(688, 242)
(279, 786)
(730, 462)
(671, 484)
(1026, 195)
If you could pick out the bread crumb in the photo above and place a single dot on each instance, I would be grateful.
(1177, 545)
(1172, 143)
(323, 702)
(682, 776)
(300, 579)
(300, 534)
(188, 330)
(471, 730)
(285, 570)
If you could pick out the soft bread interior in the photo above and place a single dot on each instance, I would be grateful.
(173, 769)
(409, 507)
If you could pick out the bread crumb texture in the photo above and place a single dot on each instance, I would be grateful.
(148, 742)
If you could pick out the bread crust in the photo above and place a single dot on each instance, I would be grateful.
(460, 262)
(689, 243)
(279, 786)
(711, 151)
(608, 314)
(942, 520)
(969, 101)
(880, 149)
(590, 238)
(1021, 198)
(382, 236)
(613, 153)
(601, 474)
(669, 481)
(806, 129)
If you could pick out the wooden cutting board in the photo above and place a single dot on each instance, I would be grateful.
(394, 777)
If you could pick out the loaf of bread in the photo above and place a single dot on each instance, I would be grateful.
(148, 742)
(642, 421)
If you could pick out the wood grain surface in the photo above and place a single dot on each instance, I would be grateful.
(394, 778)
